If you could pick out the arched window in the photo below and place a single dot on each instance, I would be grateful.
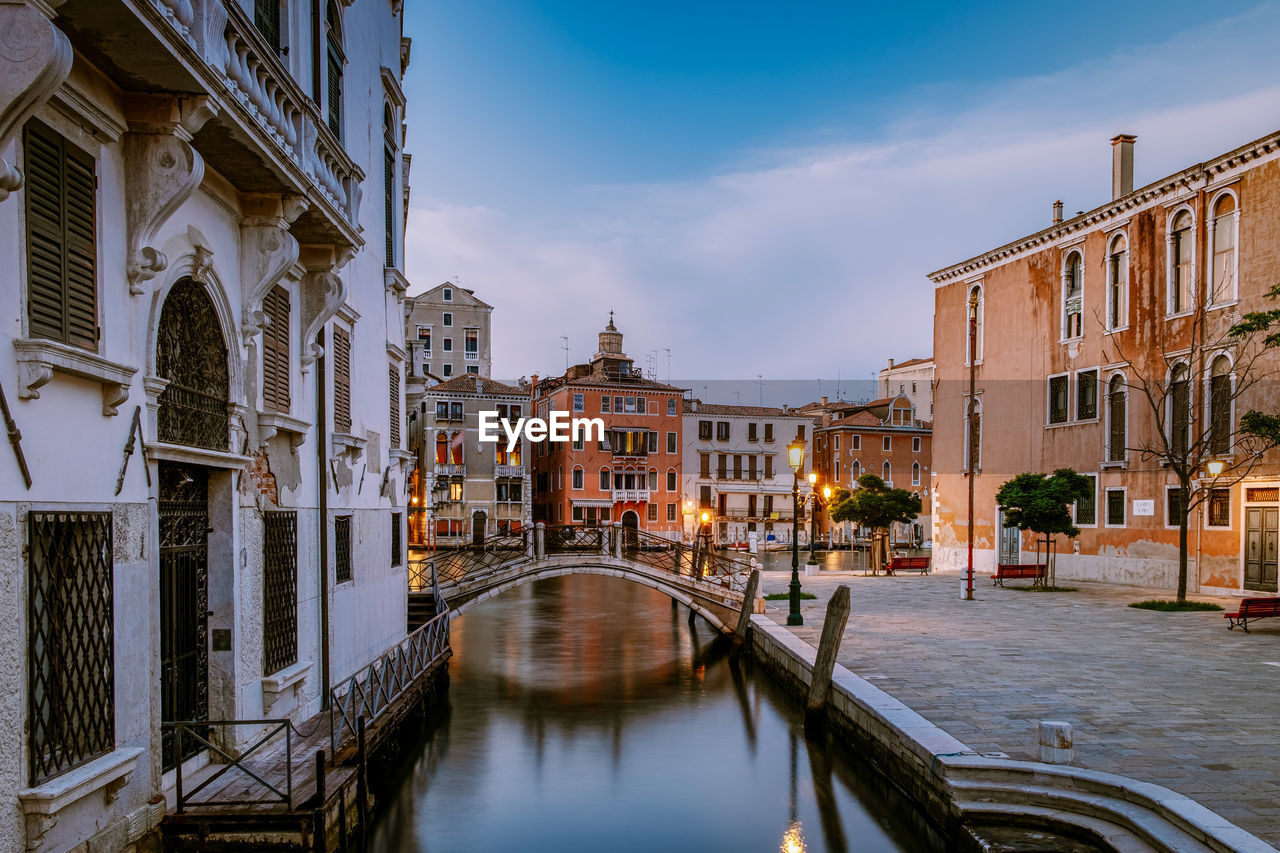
(606, 480)
(192, 356)
(974, 299)
(1223, 228)
(389, 182)
(455, 447)
(1181, 262)
(855, 471)
(1118, 283)
(886, 472)
(578, 483)
(1179, 415)
(673, 480)
(442, 449)
(653, 479)
(1117, 436)
(915, 473)
(334, 62)
(973, 444)
(1072, 295)
(1220, 420)
(513, 458)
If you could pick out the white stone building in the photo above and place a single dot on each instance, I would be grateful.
(202, 207)
(447, 333)
(735, 467)
(912, 379)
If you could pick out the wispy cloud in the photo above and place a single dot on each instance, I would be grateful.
(813, 260)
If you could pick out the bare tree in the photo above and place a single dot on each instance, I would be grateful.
(1188, 383)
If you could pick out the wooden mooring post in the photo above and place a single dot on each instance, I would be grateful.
(362, 784)
(320, 841)
(828, 647)
(748, 605)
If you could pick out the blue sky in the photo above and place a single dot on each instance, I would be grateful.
(761, 188)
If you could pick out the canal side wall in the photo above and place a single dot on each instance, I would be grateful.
(899, 741)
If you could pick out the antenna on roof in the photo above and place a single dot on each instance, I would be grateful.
(760, 382)
(565, 347)
(668, 349)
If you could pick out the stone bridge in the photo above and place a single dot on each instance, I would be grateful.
(707, 581)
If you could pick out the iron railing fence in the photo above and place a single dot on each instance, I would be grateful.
(193, 736)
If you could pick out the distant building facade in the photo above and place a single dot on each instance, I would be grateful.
(913, 379)
(1071, 321)
(735, 467)
(633, 474)
(447, 333)
(462, 489)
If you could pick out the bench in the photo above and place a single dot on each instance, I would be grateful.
(918, 564)
(1016, 571)
(1252, 608)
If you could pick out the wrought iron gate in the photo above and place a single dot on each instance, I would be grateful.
(184, 601)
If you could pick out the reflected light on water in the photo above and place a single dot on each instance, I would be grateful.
(793, 839)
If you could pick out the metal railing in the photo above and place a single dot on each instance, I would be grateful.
(452, 565)
(576, 539)
(198, 730)
(370, 691)
(696, 561)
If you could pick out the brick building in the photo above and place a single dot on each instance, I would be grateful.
(1073, 322)
(632, 475)
(884, 437)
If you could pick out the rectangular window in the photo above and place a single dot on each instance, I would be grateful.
(447, 344)
(1087, 506)
(1058, 386)
(837, 441)
(266, 19)
(704, 465)
(855, 442)
(751, 431)
(629, 405)
(70, 640)
(473, 370)
(455, 491)
(617, 405)
(341, 380)
(447, 319)
(640, 405)
(605, 480)
(579, 442)
(704, 430)
(1086, 395)
(604, 404)
(886, 443)
(915, 444)
(576, 515)
(671, 481)
(342, 548)
(653, 481)
(768, 466)
(579, 403)
(722, 430)
(424, 338)
(279, 591)
(62, 253)
(275, 350)
(442, 410)
(446, 370)
(1175, 507)
(335, 92)
(653, 512)
(1219, 508)
(389, 202)
(471, 344)
(393, 380)
(704, 497)
(671, 408)
(768, 432)
(751, 467)
(737, 466)
(577, 481)
(653, 442)
(671, 512)
(800, 431)
(1115, 507)
(448, 294)
(721, 467)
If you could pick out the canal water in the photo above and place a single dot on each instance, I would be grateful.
(587, 713)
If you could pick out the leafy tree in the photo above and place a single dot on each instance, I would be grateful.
(873, 504)
(1260, 425)
(1042, 503)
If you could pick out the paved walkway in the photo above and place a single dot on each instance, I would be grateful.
(1170, 698)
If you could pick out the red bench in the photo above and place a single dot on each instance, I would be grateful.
(1017, 571)
(918, 564)
(1252, 608)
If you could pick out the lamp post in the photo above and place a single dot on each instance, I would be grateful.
(973, 466)
(795, 458)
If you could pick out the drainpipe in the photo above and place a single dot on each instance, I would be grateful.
(322, 502)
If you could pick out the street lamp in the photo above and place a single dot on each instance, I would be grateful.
(1216, 467)
(795, 457)
(972, 408)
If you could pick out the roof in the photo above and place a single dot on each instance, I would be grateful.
(911, 362)
(471, 294)
(466, 384)
(601, 380)
(748, 411)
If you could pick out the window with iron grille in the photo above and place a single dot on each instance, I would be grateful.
(395, 539)
(342, 548)
(1087, 503)
(341, 380)
(1115, 507)
(275, 350)
(1219, 507)
(279, 591)
(191, 355)
(393, 377)
(62, 253)
(266, 17)
(71, 661)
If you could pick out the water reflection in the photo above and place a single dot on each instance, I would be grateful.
(588, 713)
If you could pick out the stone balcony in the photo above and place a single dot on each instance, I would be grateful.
(630, 495)
(508, 470)
(264, 133)
(451, 469)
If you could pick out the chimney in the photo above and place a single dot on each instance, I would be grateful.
(693, 405)
(1122, 164)
(1057, 211)
(891, 364)
(824, 401)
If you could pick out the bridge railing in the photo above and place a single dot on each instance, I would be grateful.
(685, 560)
(453, 565)
(577, 539)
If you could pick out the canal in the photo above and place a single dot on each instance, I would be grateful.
(588, 713)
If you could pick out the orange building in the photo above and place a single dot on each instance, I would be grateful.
(632, 474)
(1100, 335)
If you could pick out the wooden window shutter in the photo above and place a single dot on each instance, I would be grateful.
(275, 351)
(389, 208)
(266, 18)
(62, 256)
(393, 374)
(335, 94)
(341, 380)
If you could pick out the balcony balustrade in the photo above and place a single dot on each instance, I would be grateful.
(630, 495)
(508, 470)
(451, 469)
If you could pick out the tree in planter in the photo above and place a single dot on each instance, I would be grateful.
(1042, 504)
(1217, 363)
(873, 504)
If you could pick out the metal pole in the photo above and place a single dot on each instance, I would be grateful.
(973, 467)
(794, 617)
(813, 526)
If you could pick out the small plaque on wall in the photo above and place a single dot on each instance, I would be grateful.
(1144, 507)
(221, 639)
